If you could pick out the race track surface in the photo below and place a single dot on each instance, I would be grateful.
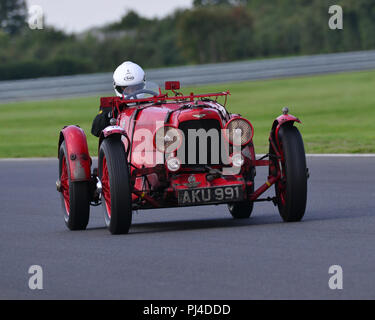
(192, 253)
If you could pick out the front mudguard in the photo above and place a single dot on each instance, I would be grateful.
(282, 120)
(77, 153)
(114, 132)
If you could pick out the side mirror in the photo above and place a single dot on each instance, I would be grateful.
(172, 85)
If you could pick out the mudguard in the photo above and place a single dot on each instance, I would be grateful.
(110, 130)
(78, 153)
(113, 131)
(282, 120)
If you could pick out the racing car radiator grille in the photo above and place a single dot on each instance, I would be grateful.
(201, 147)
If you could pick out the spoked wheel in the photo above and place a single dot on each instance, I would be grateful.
(291, 189)
(116, 190)
(74, 196)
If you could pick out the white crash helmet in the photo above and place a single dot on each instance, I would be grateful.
(128, 78)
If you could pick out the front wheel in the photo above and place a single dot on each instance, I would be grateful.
(74, 195)
(116, 190)
(291, 189)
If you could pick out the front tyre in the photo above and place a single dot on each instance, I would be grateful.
(116, 190)
(74, 195)
(291, 190)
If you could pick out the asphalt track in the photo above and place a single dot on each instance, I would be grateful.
(192, 253)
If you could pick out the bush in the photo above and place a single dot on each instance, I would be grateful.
(36, 69)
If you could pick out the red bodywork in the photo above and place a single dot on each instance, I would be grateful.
(79, 161)
(281, 120)
(154, 186)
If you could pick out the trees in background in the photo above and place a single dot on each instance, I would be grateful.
(12, 15)
(216, 34)
(211, 31)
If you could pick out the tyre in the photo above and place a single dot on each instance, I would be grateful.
(291, 189)
(242, 210)
(74, 195)
(116, 190)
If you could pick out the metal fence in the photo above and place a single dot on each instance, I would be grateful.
(96, 84)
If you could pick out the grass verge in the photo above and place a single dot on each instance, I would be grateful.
(337, 111)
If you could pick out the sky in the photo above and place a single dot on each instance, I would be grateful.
(79, 15)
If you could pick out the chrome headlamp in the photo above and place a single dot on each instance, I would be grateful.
(239, 131)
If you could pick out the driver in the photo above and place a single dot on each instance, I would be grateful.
(127, 79)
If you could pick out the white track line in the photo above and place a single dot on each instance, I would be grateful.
(26, 159)
(313, 155)
(343, 155)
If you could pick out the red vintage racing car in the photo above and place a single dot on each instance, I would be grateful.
(173, 150)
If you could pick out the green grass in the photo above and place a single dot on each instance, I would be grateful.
(337, 111)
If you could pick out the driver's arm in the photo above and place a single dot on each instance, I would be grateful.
(102, 120)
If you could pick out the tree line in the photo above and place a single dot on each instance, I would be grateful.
(209, 32)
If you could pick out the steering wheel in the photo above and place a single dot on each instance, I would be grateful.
(134, 94)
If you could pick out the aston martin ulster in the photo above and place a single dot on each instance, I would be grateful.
(170, 150)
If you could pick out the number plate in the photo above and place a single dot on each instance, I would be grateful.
(210, 195)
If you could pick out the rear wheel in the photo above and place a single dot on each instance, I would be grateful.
(74, 195)
(242, 210)
(291, 189)
(116, 190)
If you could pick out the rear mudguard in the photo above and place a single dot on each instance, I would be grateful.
(283, 120)
(77, 153)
